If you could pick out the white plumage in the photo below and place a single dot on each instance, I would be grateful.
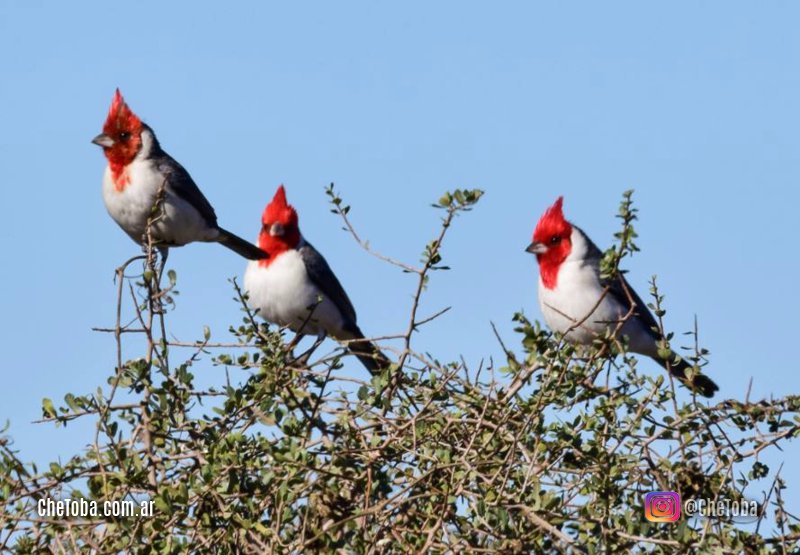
(131, 206)
(283, 293)
(573, 303)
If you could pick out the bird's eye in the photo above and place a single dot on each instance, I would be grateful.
(555, 239)
(124, 136)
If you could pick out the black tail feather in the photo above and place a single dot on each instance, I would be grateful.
(700, 383)
(370, 356)
(240, 246)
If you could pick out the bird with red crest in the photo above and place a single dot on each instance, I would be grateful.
(295, 287)
(140, 175)
(577, 302)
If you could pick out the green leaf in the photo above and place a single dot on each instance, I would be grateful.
(48, 409)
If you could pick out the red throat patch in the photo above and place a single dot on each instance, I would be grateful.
(278, 211)
(554, 232)
(125, 129)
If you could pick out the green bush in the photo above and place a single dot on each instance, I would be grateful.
(551, 453)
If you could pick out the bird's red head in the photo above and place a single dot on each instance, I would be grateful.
(279, 229)
(552, 242)
(121, 137)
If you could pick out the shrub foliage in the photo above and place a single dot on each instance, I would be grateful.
(551, 451)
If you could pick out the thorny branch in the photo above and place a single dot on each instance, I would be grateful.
(551, 454)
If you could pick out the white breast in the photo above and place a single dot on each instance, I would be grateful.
(180, 222)
(282, 293)
(574, 300)
(575, 304)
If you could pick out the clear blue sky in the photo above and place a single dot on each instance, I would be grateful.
(693, 104)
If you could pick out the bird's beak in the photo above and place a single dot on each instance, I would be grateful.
(103, 140)
(536, 248)
(276, 230)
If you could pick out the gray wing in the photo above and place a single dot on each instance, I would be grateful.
(323, 277)
(182, 184)
(617, 288)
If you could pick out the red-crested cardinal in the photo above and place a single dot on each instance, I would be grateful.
(295, 287)
(137, 169)
(577, 302)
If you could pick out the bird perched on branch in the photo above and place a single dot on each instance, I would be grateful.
(141, 175)
(296, 287)
(578, 302)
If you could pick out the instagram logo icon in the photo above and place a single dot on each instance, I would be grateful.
(662, 506)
